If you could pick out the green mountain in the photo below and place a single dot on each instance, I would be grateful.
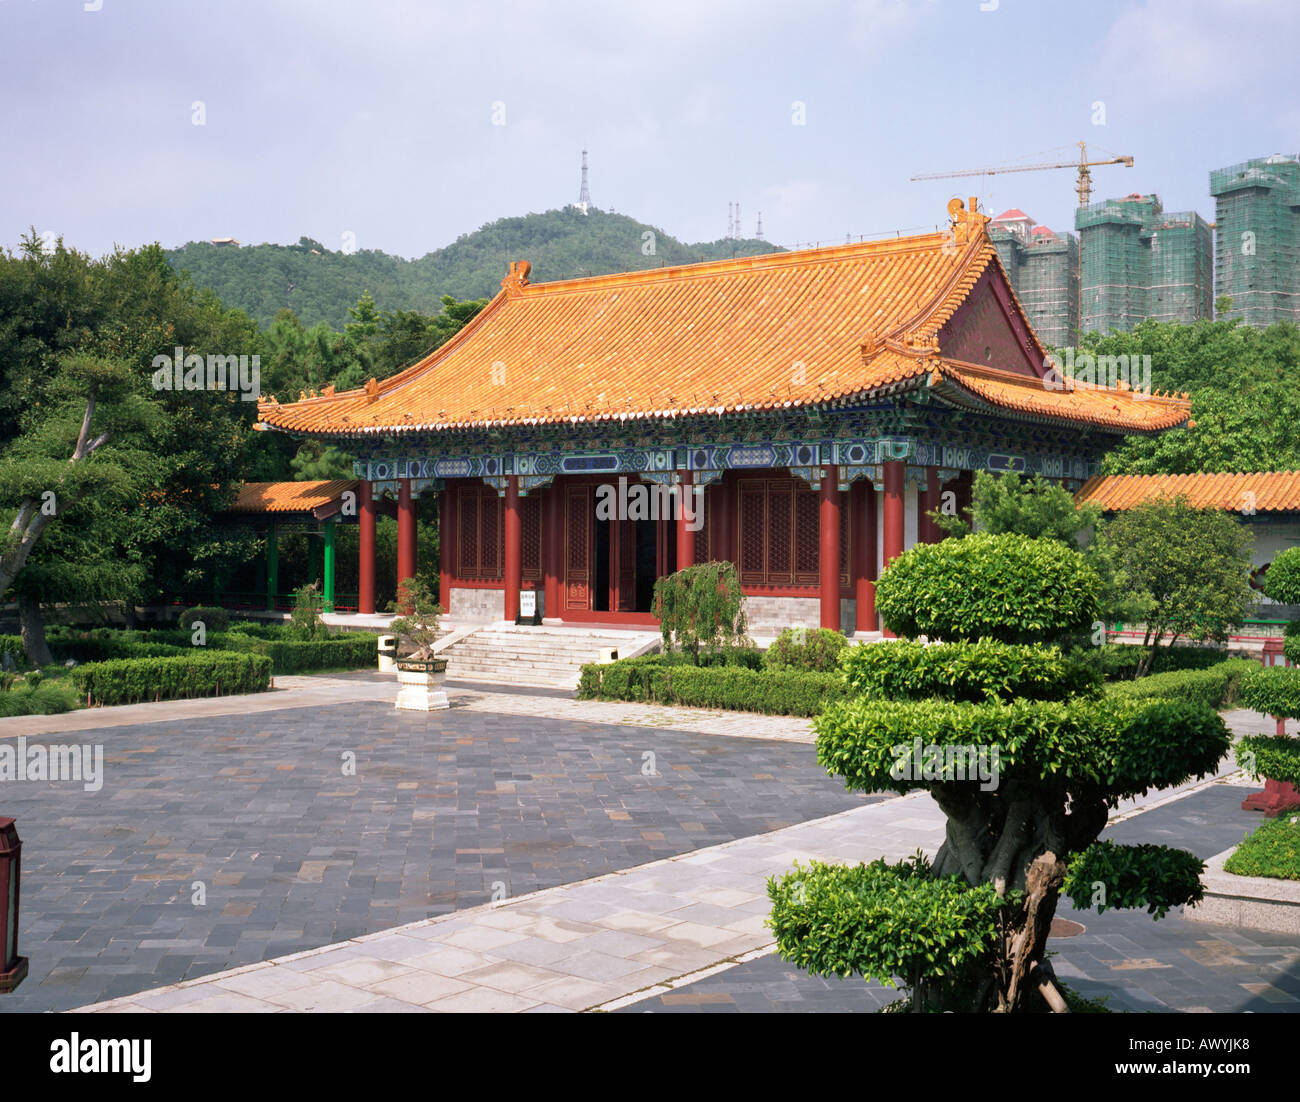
(320, 285)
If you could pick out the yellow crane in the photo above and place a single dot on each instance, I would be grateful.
(1082, 188)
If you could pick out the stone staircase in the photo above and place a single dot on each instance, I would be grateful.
(545, 657)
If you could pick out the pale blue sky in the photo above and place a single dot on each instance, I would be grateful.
(326, 117)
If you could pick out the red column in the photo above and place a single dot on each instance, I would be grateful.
(893, 515)
(514, 551)
(724, 516)
(551, 550)
(366, 565)
(405, 531)
(864, 554)
(445, 537)
(685, 537)
(828, 548)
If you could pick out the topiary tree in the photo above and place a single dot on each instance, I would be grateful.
(701, 606)
(418, 630)
(1025, 758)
(1272, 691)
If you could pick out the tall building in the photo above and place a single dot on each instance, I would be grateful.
(1042, 266)
(1257, 239)
(1140, 262)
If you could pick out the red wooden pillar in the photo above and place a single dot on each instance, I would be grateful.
(685, 537)
(552, 550)
(366, 540)
(895, 475)
(514, 552)
(446, 536)
(864, 554)
(828, 548)
(405, 531)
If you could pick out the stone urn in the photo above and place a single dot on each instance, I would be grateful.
(419, 684)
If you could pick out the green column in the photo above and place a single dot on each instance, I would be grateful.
(329, 566)
(272, 566)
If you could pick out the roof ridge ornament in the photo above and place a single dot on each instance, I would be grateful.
(967, 223)
(517, 278)
(372, 390)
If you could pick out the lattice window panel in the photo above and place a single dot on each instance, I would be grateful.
(807, 536)
(753, 525)
(468, 533)
(530, 523)
(709, 500)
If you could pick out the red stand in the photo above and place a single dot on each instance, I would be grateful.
(13, 968)
(1278, 796)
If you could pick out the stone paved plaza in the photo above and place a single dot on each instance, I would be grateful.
(509, 854)
(293, 854)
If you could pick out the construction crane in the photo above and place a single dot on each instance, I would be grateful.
(1083, 188)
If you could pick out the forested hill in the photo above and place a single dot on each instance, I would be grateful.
(319, 284)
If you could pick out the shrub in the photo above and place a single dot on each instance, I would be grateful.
(37, 698)
(215, 673)
(1291, 645)
(983, 670)
(305, 623)
(1273, 850)
(802, 649)
(92, 648)
(1010, 588)
(12, 645)
(1124, 661)
(1282, 578)
(700, 607)
(418, 629)
(1156, 877)
(212, 618)
(1216, 687)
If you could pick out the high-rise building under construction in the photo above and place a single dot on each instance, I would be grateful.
(1257, 239)
(1139, 262)
(1042, 266)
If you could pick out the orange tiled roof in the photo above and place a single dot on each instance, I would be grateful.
(755, 333)
(289, 497)
(1273, 491)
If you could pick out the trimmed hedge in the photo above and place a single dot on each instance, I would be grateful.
(1217, 686)
(355, 649)
(212, 617)
(1120, 661)
(770, 692)
(93, 649)
(1274, 757)
(128, 680)
(985, 670)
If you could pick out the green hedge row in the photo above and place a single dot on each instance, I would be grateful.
(102, 650)
(128, 680)
(1217, 686)
(1119, 661)
(354, 649)
(771, 692)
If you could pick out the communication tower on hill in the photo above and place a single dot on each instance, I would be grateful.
(584, 193)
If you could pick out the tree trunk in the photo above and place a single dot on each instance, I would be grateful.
(33, 631)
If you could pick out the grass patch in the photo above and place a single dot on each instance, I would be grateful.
(1272, 851)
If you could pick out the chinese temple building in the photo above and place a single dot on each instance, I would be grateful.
(816, 404)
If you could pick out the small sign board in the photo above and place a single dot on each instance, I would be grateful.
(528, 612)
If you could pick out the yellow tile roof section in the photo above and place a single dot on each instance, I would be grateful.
(754, 333)
(289, 497)
(1262, 491)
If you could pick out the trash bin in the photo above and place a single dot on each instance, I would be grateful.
(388, 654)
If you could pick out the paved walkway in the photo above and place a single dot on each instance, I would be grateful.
(322, 690)
(1132, 961)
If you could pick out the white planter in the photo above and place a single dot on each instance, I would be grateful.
(420, 691)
